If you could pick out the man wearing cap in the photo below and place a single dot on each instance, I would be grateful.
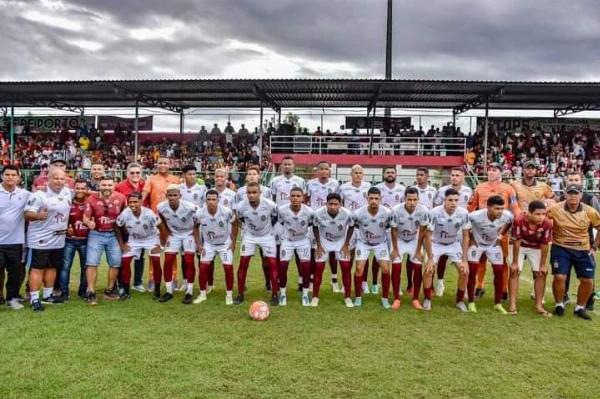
(494, 186)
(572, 247)
(42, 180)
(529, 188)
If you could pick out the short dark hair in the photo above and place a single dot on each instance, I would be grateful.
(252, 184)
(212, 191)
(388, 168)
(136, 195)
(535, 205)
(287, 157)
(423, 169)
(334, 196)
(82, 181)
(450, 192)
(255, 168)
(11, 167)
(323, 162)
(374, 190)
(107, 177)
(411, 190)
(458, 169)
(495, 200)
(297, 189)
(188, 168)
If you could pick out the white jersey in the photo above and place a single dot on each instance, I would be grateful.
(426, 196)
(281, 187)
(227, 198)
(12, 220)
(215, 229)
(295, 225)
(333, 228)
(372, 230)
(180, 221)
(139, 228)
(464, 195)
(194, 194)
(318, 192)
(408, 224)
(257, 222)
(390, 197)
(240, 194)
(49, 233)
(485, 232)
(354, 197)
(447, 229)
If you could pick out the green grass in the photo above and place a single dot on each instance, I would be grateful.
(142, 348)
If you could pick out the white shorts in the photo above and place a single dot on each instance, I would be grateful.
(533, 254)
(209, 252)
(452, 251)
(493, 252)
(278, 231)
(407, 248)
(178, 244)
(301, 247)
(335, 247)
(138, 246)
(266, 243)
(380, 251)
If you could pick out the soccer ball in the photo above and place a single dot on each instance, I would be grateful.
(259, 311)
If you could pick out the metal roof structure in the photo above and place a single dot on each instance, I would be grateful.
(178, 95)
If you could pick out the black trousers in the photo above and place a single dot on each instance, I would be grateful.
(10, 260)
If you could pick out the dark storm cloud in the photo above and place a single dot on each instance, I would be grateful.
(441, 39)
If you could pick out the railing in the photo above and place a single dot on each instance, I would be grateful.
(361, 145)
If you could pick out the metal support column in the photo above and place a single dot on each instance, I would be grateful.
(12, 132)
(371, 125)
(181, 122)
(454, 120)
(137, 132)
(260, 133)
(485, 137)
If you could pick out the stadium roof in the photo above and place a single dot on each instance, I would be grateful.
(176, 95)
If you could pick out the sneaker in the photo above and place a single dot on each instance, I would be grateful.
(92, 299)
(348, 302)
(559, 310)
(416, 304)
(139, 288)
(282, 300)
(396, 304)
(314, 302)
(201, 298)
(472, 308)
(14, 304)
(209, 289)
(36, 305)
(462, 307)
(385, 303)
(20, 298)
(499, 308)
(52, 300)
(238, 300)
(375, 289)
(228, 299)
(365, 288)
(110, 295)
(156, 295)
(590, 304)
(151, 285)
(479, 293)
(274, 301)
(64, 296)
(336, 287)
(582, 314)
(427, 304)
(166, 297)
(305, 300)
(357, 302)
(566, 299)
(124, 296)
(439, 288)
(187, 299)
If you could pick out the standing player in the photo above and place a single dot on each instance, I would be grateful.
(488, 226)
(139, 224)
(190, 190)
(447, 223)
(331, 224)
(257, 217)
(47, 212)
(427, 193)
(226, 195)
(457, 182)
(218, 232)
(179, 233)
(297, 220)
(532, 234)
(409, 229)
(317, 191)
(354, 196)
(372, 222)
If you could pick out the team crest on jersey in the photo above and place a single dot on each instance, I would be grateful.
(358, 252)
(457, 225)
(221, 224)
(243, 247)
(225, 202)
(340, 227)
(263, 218)
(195, 196)
(183, 219)
(145, 227)
(381, 225)
(302, 223)
(283, 252)
(416, 223)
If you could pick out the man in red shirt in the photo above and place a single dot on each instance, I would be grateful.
(532, 234)
(101, 212)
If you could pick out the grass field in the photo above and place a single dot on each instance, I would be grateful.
(141, 348)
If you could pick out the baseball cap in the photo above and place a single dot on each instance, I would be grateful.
(574, 188)
(530, 163)
(172, 187)
(58, 160)
(495, 165)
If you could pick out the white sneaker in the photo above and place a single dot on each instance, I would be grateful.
(462, 307)
(151, 286)
(139, 288)
(228, 299)
(282, 300)
(314, 302)
(209, 289)
(14, 304)
(375, 289)
(439, 288)
(365, 288)
(305, 300)
(201, 298)
(336, 287)
(427, 304)
(349, 303)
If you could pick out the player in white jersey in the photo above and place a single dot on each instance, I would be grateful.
(447, 223)
(257, 217)
(331, 224)
(226, 195)
(354, 196)
(409, 228)
(140, 225)
(317, 191)
(179, 233)
(372, 222)
(48, 215)
(297, 220)
(427, 193)
(487, 228)
(218, 232)
(13, 201)
(457, 182)
(190, 190)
